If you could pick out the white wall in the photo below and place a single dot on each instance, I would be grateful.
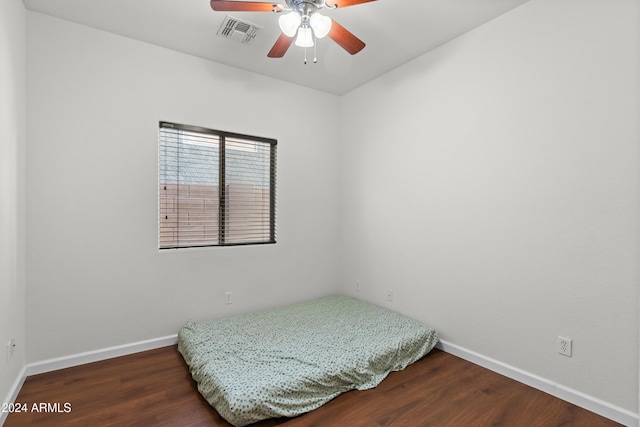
(12, 137)
(494, 184)
(96, 278)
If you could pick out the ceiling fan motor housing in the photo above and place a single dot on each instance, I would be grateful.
(306, 7)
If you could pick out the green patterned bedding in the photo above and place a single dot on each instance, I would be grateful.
(291, 360)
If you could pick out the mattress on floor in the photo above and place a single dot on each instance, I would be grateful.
(291, 360)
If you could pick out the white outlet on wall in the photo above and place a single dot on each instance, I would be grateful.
(389, 294)
(357, 285)
(564, 346)
(227, 298)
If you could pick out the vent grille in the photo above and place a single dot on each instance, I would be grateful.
(238, 30)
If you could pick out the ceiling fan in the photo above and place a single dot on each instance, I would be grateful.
(301, 22)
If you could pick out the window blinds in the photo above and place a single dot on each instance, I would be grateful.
(216, 188)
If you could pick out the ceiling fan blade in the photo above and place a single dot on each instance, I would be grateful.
(280, 47)
(346, 3)
(245, 6)
(345, 39)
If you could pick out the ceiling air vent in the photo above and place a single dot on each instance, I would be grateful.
(240, 31)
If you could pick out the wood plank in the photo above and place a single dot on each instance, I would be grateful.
(155, 388)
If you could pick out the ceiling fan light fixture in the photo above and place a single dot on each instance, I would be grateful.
(305, 37)
(321, 25)
(289, 23)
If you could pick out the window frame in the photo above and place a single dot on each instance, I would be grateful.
(222, 192)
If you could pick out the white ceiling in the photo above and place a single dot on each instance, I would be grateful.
(395, 32)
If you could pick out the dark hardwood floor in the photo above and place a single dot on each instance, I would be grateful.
(154, 388)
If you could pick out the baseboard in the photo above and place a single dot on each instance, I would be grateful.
(97, 355)
(575, 397)
(13, 392)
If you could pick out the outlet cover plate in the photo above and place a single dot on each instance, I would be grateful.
(564, 346)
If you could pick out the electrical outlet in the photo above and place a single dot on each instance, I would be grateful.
(389, 294)
(357, 285)
(227, 298)
(13, 346)
(564, 346)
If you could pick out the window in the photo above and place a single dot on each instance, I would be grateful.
(216, 188)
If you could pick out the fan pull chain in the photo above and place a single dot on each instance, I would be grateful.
(315, 44)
